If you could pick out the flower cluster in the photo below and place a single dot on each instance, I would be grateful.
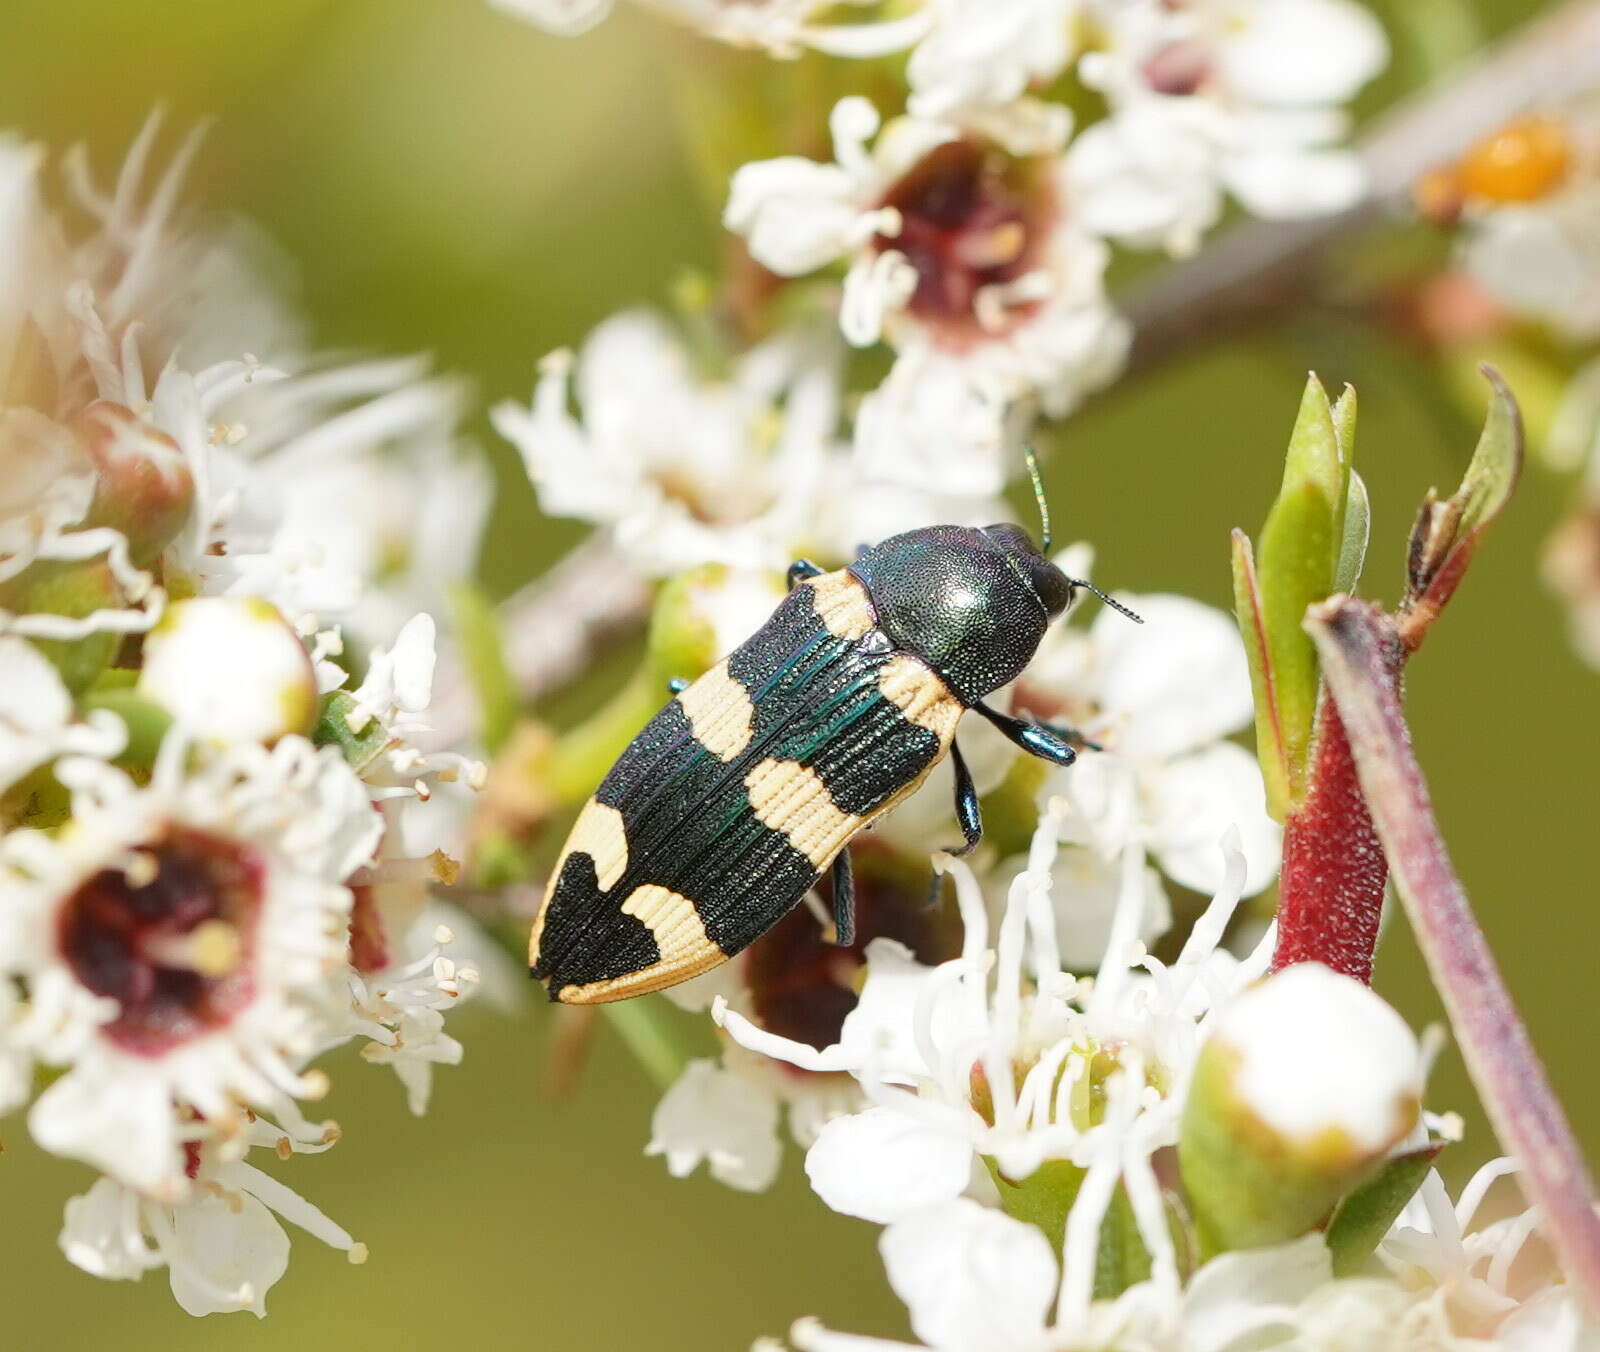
(216, 845)
(968, 232)
(1039, 1147)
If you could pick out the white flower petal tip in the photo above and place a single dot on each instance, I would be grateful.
(566, 18)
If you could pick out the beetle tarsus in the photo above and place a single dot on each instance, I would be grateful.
(1034, 738)
(844, 900)
(1072, 735)
(677, 684)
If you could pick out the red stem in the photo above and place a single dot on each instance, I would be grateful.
(1330, 890)
(1356, 644)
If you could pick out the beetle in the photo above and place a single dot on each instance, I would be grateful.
(735, 799)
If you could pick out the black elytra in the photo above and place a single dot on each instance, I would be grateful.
(735, 799)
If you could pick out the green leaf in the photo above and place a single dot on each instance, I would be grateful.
(1496, 464)
(1364, 1217)
(1270, 750)
(1446, 533)
(483, 653)
(1297, 563)
(1357, 531)
(342, 723)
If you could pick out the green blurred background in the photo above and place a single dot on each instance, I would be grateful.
(447, 179)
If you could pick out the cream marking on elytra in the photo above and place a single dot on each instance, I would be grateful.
(791, 799)
(841, 604)
(720, 713)
(916, 690)
(598, 833)
(686, 950)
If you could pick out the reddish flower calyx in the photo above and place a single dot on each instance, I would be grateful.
(169, 938)
(971, 219)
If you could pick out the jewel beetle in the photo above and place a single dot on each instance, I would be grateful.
(735, 799)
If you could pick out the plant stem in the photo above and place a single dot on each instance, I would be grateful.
(1357, 646)
(1331, 884)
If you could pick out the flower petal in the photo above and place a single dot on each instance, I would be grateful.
(974, 1280)
(730, 1121)
(881, 1164)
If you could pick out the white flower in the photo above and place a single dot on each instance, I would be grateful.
(180, 944)
(223, 1247)
(965, 254)
(93, 310)
(920, 1038)
(341, 492)
(708, 1114)
(986, 53)
(229, 669)
(682, 470)
(1207, 95)
(975, 1280)
(778, 27)
(1542, 258)
(401, 1009)
(304, 490)
(37, 722)
(1158, 697)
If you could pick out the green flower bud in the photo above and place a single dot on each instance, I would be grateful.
(73, 591)
(703, 614)
(231, 668)
(1306, 1086)
(144, 487)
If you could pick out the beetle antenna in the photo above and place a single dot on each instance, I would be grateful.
(1111, 601)
(1032, 460)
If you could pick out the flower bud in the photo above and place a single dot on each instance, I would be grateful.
(145, 488)
(73, 591)
(703, 614)
(1307, 1084)
(230, 667)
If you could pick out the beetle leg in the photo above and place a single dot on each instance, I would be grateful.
(799, 571)
(1034, 738)
(967, 812)
(1072, 735)
(844, 900)
(677, 684)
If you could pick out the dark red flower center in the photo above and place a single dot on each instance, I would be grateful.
(803, 987)
(169, 938)
(971, 217)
